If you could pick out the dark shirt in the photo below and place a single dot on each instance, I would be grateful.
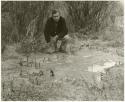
(53, 28)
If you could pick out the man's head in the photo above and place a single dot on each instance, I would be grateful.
(55, 15)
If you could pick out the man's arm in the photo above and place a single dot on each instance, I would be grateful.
(64, 29)
(46, 32)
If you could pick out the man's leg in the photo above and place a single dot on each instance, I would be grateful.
(58, 44)
(65, 45)
(52, 45)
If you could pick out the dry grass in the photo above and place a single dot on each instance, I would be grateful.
(35, 83)
(35, 88)
(42, 88)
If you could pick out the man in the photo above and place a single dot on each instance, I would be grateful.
(56, 31)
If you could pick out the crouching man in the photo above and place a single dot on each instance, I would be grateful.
(55, 32)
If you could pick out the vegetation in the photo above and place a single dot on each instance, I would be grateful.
(96, 28)
(23, 18)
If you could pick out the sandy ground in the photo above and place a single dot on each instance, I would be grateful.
(65, 77)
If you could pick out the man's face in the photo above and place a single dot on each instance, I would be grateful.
(56, 16)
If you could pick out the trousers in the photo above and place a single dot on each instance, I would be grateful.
(58, 44)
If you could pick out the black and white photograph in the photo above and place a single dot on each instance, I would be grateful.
(62, 50)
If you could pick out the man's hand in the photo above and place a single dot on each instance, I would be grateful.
(56, 37)
(67, 37)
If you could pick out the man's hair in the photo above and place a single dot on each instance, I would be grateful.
(55, 11)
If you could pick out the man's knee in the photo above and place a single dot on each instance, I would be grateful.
(65, 42)
(53, 39)
(67, 38)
